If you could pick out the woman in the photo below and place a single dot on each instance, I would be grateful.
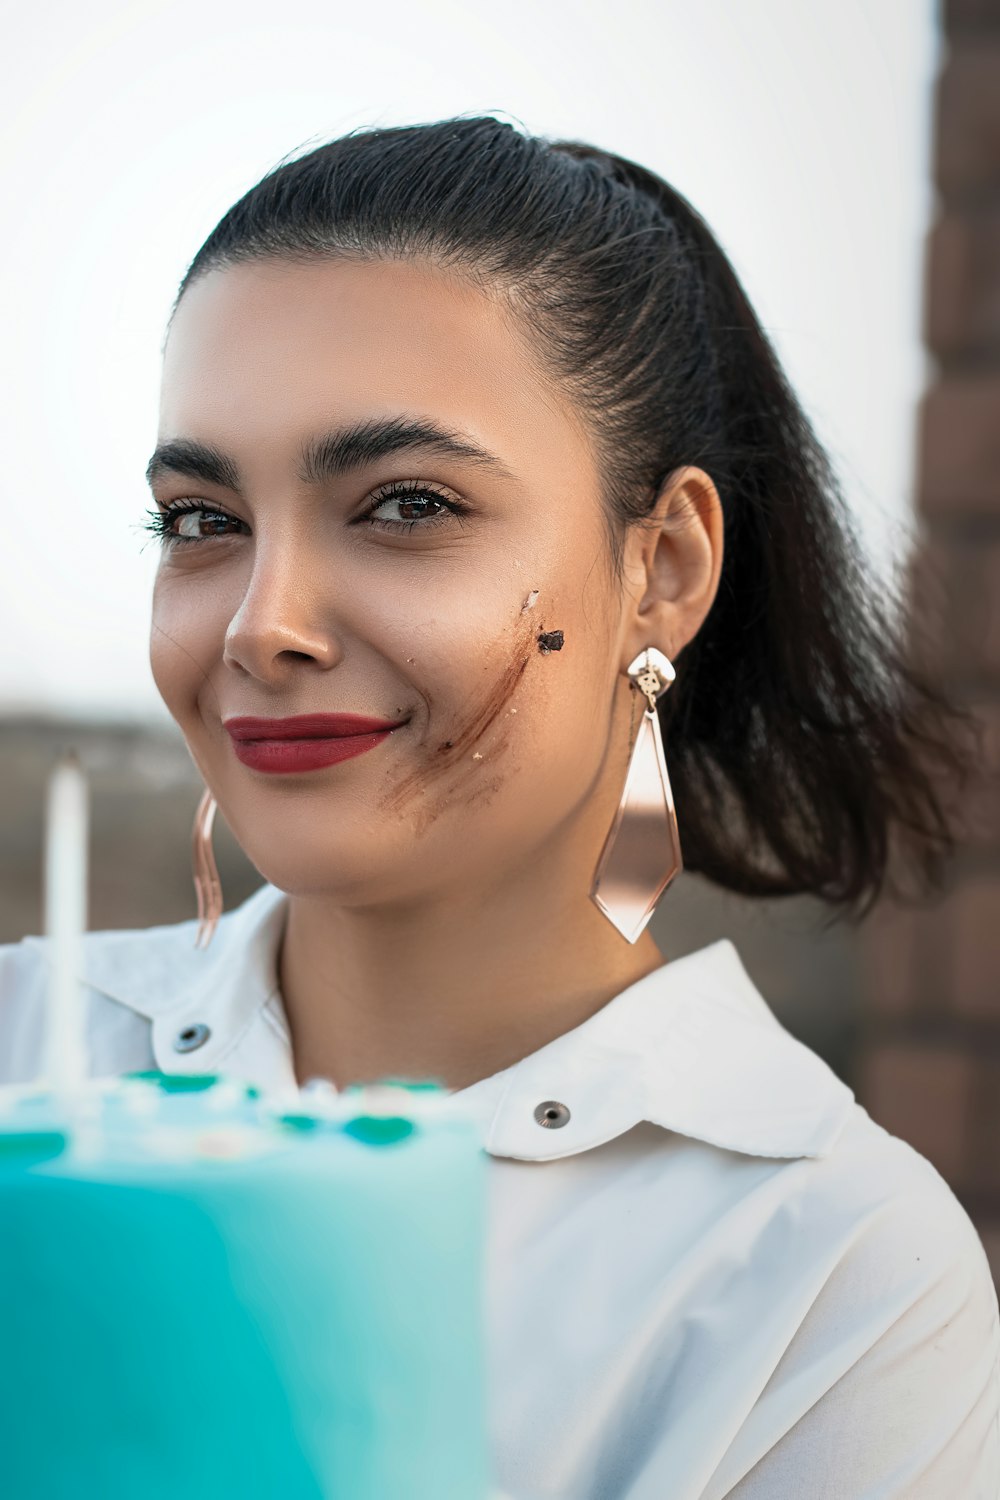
(474, 437)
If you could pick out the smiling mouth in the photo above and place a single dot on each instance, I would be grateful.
(308, 742)
(307, 727)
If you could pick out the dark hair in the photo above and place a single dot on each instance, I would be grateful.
(801, 739)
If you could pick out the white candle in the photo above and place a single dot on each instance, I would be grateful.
(65, 922)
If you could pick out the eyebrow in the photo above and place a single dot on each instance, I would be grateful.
(330, 454)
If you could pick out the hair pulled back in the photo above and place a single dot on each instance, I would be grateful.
(802, 743)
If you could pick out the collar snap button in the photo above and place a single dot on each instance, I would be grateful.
(192, 1037)
(551, 1114)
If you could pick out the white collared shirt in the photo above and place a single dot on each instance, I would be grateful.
(719, 1277)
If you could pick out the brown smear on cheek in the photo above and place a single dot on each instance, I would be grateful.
(451, 769)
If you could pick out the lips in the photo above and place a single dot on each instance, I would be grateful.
(307, 742)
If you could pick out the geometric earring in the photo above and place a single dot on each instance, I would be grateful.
(642, 852)
(207, 885)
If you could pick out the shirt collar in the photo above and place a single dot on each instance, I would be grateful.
(692, 1047)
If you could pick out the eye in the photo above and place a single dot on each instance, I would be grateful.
(188, 521)
(415, 504)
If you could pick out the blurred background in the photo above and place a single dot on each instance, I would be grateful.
(847, 155)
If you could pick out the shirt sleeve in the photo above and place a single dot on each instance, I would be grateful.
(903, 1349)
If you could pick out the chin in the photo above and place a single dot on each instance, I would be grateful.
(319, 853)
(320, 878)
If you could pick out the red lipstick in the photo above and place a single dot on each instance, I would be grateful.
(306, 743)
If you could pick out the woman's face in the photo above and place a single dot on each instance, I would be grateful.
(383, 577)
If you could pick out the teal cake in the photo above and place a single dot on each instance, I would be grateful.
(203, 1294)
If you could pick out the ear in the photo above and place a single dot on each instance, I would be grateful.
(672, 566)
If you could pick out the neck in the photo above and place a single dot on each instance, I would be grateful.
(455, 987)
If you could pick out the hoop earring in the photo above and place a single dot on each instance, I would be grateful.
(642, 852)
(207, 885)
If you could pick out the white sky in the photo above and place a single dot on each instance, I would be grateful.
(799, 128)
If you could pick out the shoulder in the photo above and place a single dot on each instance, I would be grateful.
(890, 1360)
(111, 960)
(115, 965)
(128, 977)
(900, 1273)
(879, 1219)
(894, 1199)
(866, 1313)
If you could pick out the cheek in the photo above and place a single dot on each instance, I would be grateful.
(187, 629)
(509, 721)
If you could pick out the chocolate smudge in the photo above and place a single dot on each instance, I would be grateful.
(451, 753)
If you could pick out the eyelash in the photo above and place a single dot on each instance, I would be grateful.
(160, 521)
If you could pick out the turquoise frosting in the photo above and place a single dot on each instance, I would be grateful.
(300, 1324)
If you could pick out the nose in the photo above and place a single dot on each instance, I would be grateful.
(280, 624)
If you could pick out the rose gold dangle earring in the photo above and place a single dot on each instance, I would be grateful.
(206, 875)
(642, 852)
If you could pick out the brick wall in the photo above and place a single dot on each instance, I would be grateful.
(929, 1068)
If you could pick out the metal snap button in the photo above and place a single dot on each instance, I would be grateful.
(551, 1114)
(192, 1037)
